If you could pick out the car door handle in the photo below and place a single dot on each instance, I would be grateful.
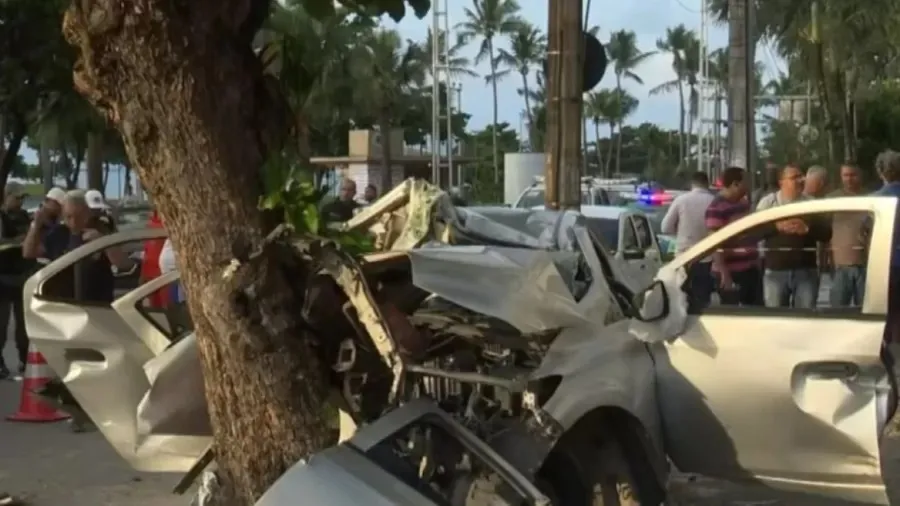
(833, 370)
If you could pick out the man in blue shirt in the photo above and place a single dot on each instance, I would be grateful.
(888, 166)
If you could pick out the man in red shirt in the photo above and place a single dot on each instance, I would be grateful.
(150, 264)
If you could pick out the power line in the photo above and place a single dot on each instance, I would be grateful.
(685, 7)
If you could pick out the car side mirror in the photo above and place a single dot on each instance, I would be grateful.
(633, 254)
(652, 302)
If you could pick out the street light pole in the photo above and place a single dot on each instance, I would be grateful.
(562, 168)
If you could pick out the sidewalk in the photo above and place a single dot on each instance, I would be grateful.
(47, 465)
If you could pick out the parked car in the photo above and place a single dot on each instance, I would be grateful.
(629, 237)
(592, 193)
(132, 216)
(794, 398)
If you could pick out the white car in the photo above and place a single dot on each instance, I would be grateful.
(628, 235)
(592, 193)
(795, 398)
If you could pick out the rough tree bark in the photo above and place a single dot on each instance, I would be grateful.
(197, 116)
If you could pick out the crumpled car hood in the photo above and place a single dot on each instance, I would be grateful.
(529, 280)
(524, 267)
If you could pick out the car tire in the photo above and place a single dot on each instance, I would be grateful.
(578, 474)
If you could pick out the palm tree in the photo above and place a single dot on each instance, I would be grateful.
(456, 65)
(537, 97)
(600, 107)
(527, 48)
(312, 59)
(488, 19)
(622, 106)
(678, 42)
(626, 57)
(388, 73)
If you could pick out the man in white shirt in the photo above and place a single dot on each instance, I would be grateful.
(686, 220)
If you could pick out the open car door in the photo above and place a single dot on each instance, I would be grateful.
(794, 397)
(101, 358)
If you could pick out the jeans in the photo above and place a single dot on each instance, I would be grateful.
(848, 285)
(699, 286)
(747, 291)
(11, 302)
(797, 288)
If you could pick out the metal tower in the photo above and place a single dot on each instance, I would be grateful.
(707, 100)
(441, 78)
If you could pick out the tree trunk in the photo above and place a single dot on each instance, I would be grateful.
(72, 170)
(126, 182)
(528, 112)
(494, 145)
(681, 140)
(612, 143)
(198, 119)
(621, 120)
(11, 152)
(387, 159)
(827, 99)
(95, 162)
(599, 154)
(106, 178)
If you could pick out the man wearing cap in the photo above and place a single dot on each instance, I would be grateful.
(100, 209)
(14, 222)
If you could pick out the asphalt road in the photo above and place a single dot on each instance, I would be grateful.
(50, 466)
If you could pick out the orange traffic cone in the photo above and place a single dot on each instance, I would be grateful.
(31, 408)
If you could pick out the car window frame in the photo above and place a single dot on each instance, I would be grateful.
(625, 224)
(779, 213)
(635, 218)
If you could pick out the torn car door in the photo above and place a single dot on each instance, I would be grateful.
(793, 397)
(370, 469)
(102, 361)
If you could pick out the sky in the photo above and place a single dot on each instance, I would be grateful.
(648, 20)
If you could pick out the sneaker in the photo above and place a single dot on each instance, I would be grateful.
(7, 500)
(4, 374)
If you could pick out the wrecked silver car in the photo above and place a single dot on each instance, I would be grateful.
(515, 325)
(514, 315)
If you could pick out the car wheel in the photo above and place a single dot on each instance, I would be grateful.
(583, 475)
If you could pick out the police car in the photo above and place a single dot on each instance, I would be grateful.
(593, 193)
(654, 202)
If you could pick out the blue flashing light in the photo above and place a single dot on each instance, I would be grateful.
(652, 198)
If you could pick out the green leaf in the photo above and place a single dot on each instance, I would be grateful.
(319, 9)
(420, 7)
(271, 201)
(311, 218)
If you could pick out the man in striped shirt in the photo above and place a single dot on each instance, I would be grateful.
(736, 264)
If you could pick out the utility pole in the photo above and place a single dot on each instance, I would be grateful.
(741, 120)
(441, 80)
(562, 168)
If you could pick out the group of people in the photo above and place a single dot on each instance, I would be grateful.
(781, 265)
(64, 221)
